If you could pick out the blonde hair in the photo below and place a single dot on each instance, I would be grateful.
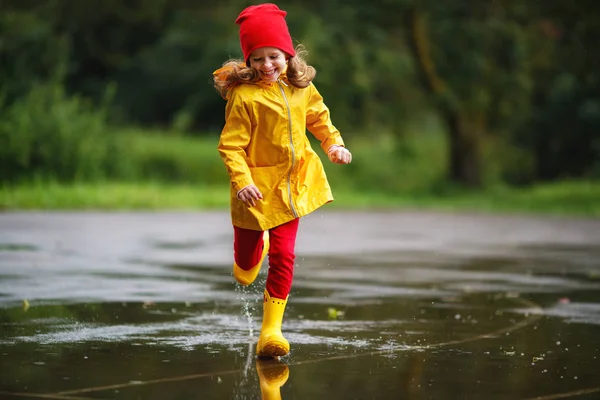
(234, 71)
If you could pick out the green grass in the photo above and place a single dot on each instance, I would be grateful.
(111, 196)
(563, 198)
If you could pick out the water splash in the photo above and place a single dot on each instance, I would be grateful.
(247, 297)
(244, 296)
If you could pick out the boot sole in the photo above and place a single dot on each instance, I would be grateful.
(245, 278)
(272, 350)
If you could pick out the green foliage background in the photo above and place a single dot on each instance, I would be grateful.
(428, 94)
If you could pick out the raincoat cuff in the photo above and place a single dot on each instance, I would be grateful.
(241, 185)
(327, 144)
(333, 147)
(237, 195)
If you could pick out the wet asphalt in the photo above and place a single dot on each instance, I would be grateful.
(416, 305)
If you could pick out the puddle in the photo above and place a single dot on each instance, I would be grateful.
(151, 312)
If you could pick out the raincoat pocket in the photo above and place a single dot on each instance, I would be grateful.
(270, 182)
(265, 178)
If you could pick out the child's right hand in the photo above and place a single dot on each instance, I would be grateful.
(249, 195)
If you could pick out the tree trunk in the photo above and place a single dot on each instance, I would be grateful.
(465, 148)
(465, 130)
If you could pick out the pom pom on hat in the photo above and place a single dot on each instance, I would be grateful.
(264, 25)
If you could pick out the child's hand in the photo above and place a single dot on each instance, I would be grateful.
(339, 155)
(249, 195)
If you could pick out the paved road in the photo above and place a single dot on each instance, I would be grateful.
(43, 245)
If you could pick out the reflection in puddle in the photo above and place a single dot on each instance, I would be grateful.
(17, 247)
(272, 375)
(575, 312)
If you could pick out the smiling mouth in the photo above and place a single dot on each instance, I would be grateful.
(268, 73)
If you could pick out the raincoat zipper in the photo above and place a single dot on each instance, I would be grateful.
(289, 178)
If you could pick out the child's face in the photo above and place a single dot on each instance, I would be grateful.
(269, 61)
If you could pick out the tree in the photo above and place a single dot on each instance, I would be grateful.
(563, 130)
(475, 61)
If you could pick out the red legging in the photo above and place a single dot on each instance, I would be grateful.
(247, 249)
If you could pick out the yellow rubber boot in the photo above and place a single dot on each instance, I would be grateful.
(247, 277)
(271, 342)
(272, 375)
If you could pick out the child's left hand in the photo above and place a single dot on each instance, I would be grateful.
(339, 155)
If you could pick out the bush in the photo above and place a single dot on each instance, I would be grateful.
(161, 157)
(412, 163)
(47, 134)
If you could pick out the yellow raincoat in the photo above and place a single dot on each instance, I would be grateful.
(264, 143)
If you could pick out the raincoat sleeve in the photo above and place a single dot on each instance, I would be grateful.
(235, 137)
(318, 121)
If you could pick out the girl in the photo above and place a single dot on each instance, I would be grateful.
(276, 177)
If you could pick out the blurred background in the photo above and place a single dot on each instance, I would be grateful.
(432, 97)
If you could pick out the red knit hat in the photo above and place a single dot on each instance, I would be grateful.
(264, 25)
